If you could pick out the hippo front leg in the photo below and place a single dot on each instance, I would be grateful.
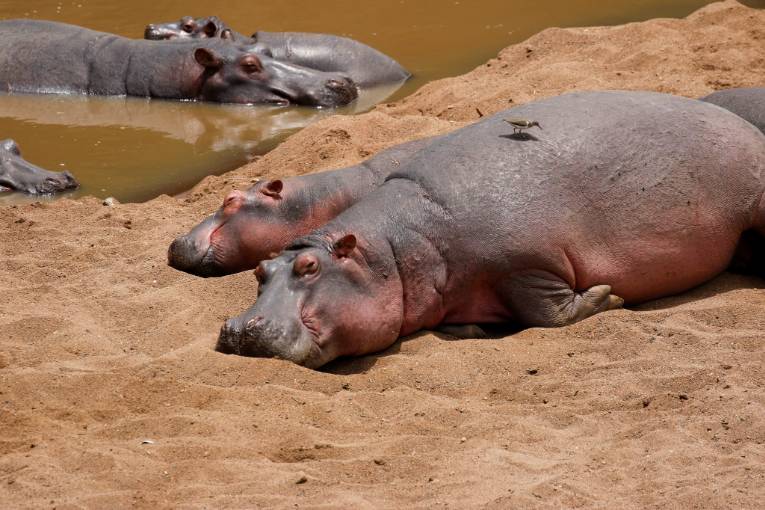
(542, 299)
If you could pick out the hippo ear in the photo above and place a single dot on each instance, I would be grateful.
(273, 189)
(10, 146)
(208, 58)
(344, 246)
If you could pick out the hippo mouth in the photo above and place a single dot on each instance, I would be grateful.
(262, 338)
(185, 255)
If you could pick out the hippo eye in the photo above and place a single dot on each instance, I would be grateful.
(188, 28)
(251, 65)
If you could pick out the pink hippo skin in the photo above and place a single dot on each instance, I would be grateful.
(255, 224)
(623, 197)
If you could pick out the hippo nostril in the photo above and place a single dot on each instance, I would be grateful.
(252, 324)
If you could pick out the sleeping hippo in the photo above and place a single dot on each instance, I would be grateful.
(622, 198)
(48, 57)
(366, 66)
(16, 174)
(253, 224)
(243, 232)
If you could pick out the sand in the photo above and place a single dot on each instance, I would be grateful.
(111, 395)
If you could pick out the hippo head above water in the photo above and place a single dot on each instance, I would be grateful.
(250, 225)
(16, 174)
(238, 74)
(318, 300)
(189, 28)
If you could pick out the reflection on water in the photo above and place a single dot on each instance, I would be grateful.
(135, 149)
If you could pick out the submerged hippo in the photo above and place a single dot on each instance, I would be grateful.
(16, 174)
(366, 66)
(747, 103)
(624, 197)
(192, 28)
(48, 57)
(252, 225)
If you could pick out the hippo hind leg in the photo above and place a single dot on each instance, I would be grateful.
(542, 299)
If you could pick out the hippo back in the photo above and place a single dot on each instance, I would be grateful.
(330, 53)
(609, 174)
(748, 104)
(44, 56)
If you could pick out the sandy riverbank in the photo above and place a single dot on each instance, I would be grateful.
(103, 347)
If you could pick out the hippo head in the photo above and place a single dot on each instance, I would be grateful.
(318, 300)
(240, 74)
(189, 28)
(249, 227)
(16, 174)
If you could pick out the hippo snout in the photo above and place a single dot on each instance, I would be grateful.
(262, 338)
(56, 182)
(343, 88)
(185, 255)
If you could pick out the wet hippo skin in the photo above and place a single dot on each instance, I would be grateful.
(366, 66)
(623, 197)
(17, 174)
(55, 58)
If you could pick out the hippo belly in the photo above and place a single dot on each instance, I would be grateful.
(645, 192)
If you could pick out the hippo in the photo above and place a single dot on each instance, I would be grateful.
(16, 174)
(48, 57)
(252, 225)
(624, 197)
(747, 103)
(366, 66)
(223, 242)
(189, 27)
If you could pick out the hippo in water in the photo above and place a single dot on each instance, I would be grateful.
(624, 197)
(366, 66)
(49, 57)
(252, 225)
(16, 174)
(193, 28)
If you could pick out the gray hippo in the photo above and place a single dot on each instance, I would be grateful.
(252, 225)
(248, 227)
(748, 103)
(366, 66)
(624, 197)
(49, 57)
(16, 174)
(189, 27)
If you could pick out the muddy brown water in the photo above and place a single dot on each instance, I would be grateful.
(135, 149)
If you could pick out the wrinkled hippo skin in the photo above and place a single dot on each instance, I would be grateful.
(193, 28)
(366, 66)
(16, 174)
(48, 57)
(252, 225)
(747, 103)
(624, 197)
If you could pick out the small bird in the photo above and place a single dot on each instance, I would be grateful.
(519, 125)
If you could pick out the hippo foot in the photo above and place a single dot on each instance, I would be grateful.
(542, 299)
